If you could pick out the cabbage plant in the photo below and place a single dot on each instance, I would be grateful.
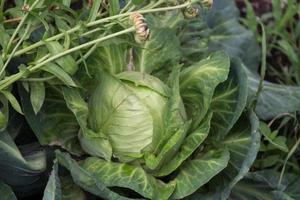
(140, 130)
(141, 106)
(154, 124)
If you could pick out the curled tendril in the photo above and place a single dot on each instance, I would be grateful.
(142, 30)
(25, 8)
(191, 12)
(207, 3)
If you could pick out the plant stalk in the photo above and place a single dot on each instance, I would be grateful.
(13, 78)
(97, 22)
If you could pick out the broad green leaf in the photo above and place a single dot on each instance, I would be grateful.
(243, 143)
(70, 191)
(111, 57)
(6, 192)
(12, 100)
(162, 49)
(278, 141)
(37, 95)
(128, 176)
(86, 180)
(67, 63)
(18, 171)
(229, 100)
(53, 188)
(197, 172)
(194, 41)
(263, 185)
(274, 99)
(167, 151)
(198, 82)
(226, 33)
(94, 10)
(59, 73)
(129, 127)
(77, 105)
(54, 124)
(189, 145)
(93, 143)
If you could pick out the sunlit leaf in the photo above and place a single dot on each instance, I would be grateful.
(163, 45)
(86, 180)
(196, 172)
(229, 100)
(95, 144)
(67, 63)
(198, 82)
(37, 95)
(12, 100)
(128, 176)
(59, 73)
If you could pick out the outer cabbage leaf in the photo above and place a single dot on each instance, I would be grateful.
(95, 144)
(111, 57)
(264, 185)
(227, 34)
(274, 99)
(54, 124)
(24, 174)
(243, 149)
(243, 144)
(198, 82)
(229, 100)
(62, 188)
(189, 145)
(86, 180)
(128, 176)
(176, 126)
(197, 172)
(162, 49)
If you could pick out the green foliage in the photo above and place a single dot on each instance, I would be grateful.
(170, 117)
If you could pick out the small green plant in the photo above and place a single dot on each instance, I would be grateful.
(282, 33)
